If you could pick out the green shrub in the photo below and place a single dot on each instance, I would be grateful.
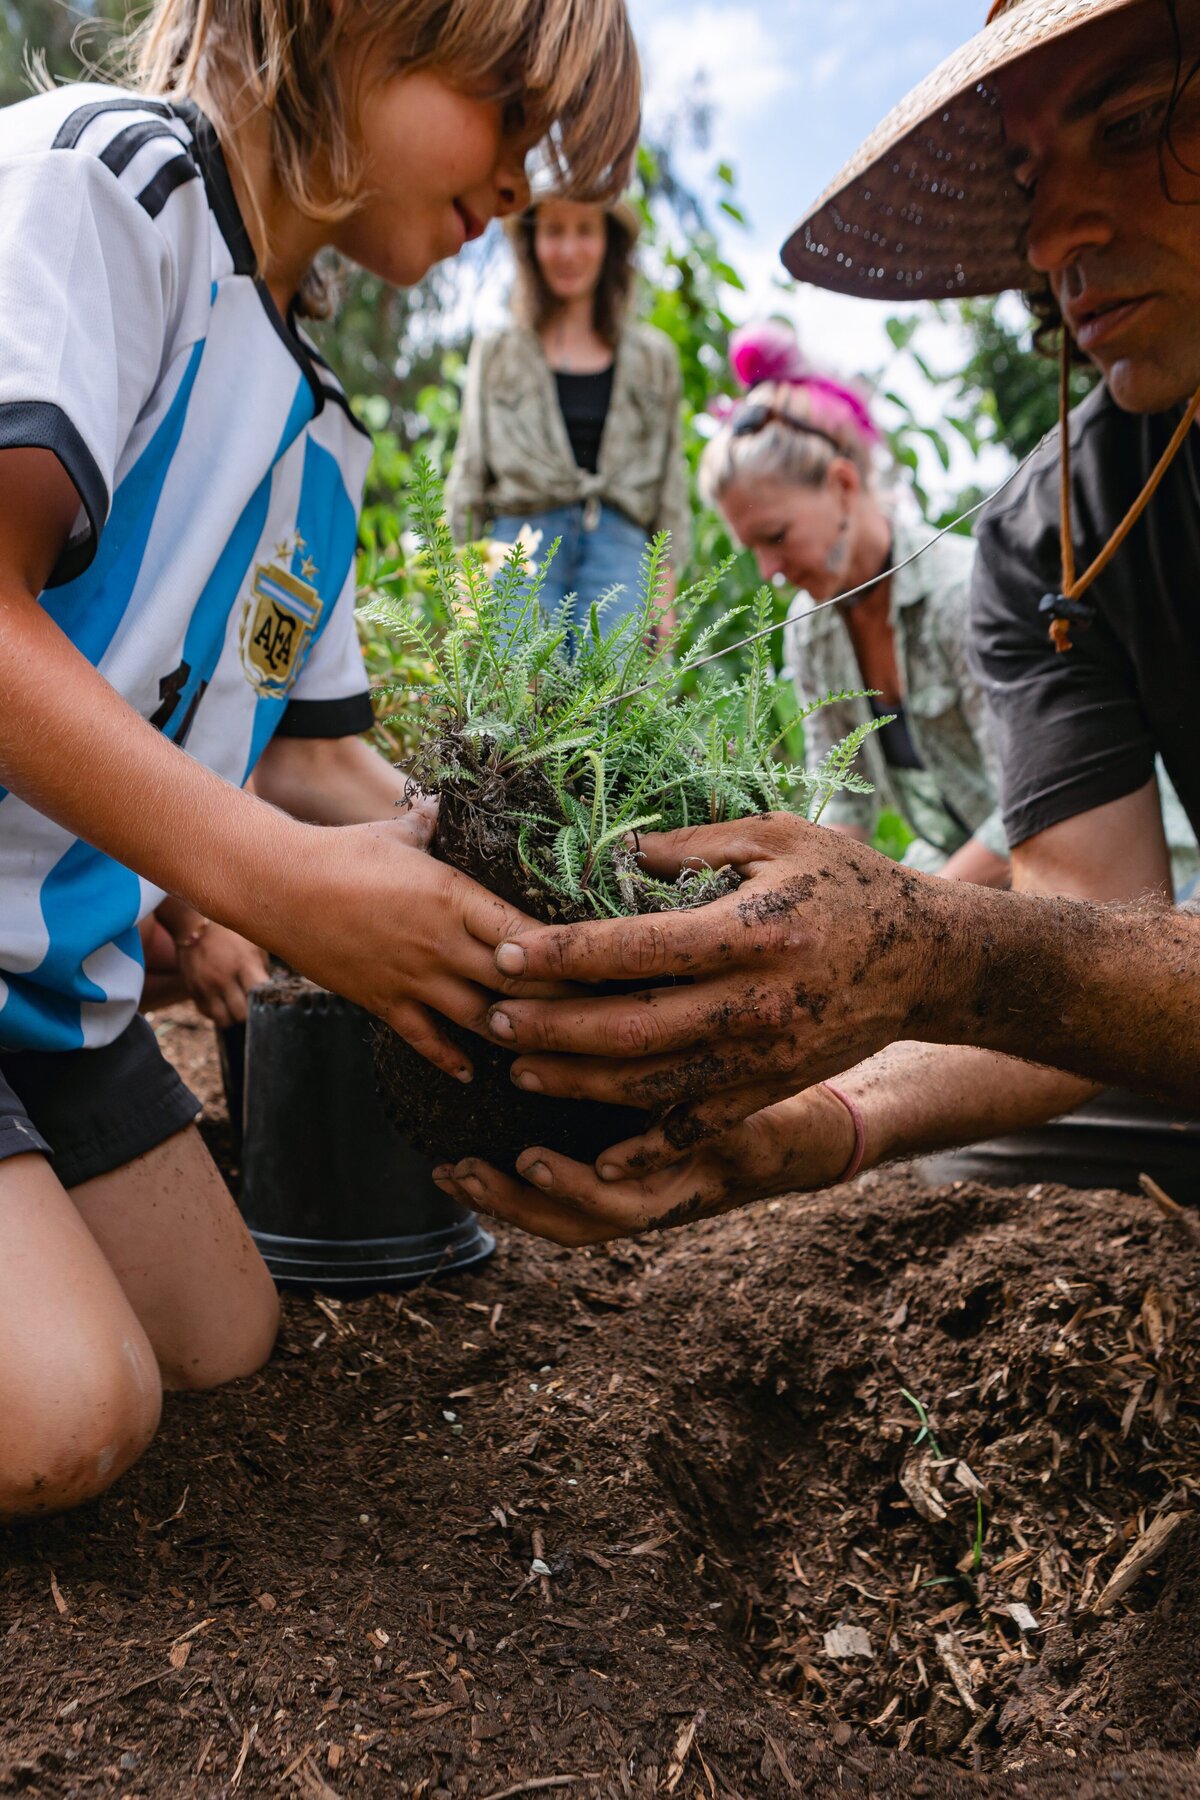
(578, 747)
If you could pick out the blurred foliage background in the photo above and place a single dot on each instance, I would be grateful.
(401, 353)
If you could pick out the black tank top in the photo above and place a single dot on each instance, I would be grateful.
(585, 400)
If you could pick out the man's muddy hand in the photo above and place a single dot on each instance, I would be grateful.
(825, 953)
(803, 1144)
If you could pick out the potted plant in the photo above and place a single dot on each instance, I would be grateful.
(549, 751)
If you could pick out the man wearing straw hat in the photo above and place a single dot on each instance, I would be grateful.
(1058, 151)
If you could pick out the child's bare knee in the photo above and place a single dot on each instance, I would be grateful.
(243, 1345)
(67, 1440)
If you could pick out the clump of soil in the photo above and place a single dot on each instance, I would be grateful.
(285, 987)
(479, 816)
(479, 820)
(487, 1116)
(655, 1519)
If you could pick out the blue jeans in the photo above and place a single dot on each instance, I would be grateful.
(587, 563)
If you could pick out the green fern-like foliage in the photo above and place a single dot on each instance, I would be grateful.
(550, 756)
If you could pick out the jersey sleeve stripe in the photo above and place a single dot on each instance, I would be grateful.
(121, 150)
(76, 123)
(160, 187)
(218, 186)
(40, 425)
(348, 717)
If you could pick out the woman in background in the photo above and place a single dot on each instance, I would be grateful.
(795, 470)
(571, 416)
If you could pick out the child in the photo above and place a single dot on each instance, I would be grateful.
(179, 476)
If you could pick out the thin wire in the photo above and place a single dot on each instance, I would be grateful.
(851, 593)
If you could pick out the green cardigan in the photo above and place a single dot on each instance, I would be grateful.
(513, 454)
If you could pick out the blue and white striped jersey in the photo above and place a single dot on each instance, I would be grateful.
(210, 573)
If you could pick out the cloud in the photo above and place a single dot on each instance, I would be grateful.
(827, 67)
(730, 46)
(896, 67)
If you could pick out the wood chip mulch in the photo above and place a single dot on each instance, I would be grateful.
(889, 1492)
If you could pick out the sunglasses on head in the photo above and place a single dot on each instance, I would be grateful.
(756, 415)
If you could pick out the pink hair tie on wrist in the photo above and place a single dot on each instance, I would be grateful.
(860, 1133)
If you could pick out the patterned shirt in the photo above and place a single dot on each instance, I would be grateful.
(514, 454)
(945, 704)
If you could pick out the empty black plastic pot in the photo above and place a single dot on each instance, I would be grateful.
(1108, 1143)
(332, 1194)
(231, 1052)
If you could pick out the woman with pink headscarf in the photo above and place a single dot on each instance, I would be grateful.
(796, 470)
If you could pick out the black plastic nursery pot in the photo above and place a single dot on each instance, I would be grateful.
(333, 1195)
(231, 1052)
(1108, 1143)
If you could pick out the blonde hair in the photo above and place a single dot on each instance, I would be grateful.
(780, 451)
(534, 304)
(571, 64)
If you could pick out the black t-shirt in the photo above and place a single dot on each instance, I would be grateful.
(585, 400)
(895, 738)
(1079, 729)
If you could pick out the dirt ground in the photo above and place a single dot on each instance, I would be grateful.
(660, 1519)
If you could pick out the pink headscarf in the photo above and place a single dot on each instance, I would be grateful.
(770, 351)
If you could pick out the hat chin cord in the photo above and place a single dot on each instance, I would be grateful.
(1069, 609)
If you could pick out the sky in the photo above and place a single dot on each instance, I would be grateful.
(795, 86)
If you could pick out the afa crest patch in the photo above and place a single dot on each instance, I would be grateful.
(278, 621)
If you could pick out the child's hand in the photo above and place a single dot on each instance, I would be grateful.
(802, 1144)
(367, 915)
(219, 968)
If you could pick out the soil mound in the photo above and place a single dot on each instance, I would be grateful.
(661, 1519)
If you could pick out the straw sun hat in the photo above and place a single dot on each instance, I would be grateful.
(928, 210)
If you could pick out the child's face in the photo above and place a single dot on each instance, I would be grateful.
(439, 165)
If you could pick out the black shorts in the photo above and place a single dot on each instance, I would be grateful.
(92, 1110)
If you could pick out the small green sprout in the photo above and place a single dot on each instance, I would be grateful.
(926, 1430)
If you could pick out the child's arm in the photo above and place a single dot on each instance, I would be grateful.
(337, 781)
(357, 908)
(218, 967)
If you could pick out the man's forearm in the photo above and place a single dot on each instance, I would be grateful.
(1109, 993)
(918, 1098)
